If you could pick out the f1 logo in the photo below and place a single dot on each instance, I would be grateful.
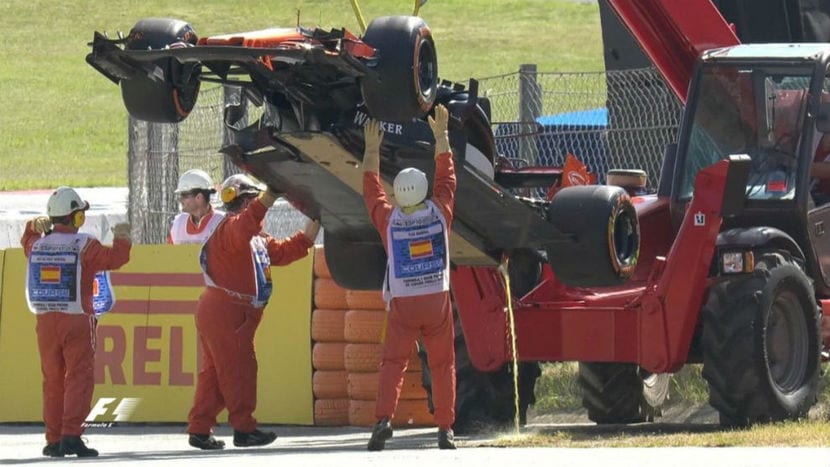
(120, 409)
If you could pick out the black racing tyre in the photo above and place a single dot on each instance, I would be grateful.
(622, 392)
(356, 258)
(605, 233)
(166, 90)
(404, 80)
(761, 344)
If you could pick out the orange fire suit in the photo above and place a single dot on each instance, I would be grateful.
(429, 315)
(226, 319)
(67, 341)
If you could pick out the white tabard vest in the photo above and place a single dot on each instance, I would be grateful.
(261, 272)
(418, 254)
(178, 231)
(53, 276)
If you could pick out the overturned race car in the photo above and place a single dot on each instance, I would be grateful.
(318, 88)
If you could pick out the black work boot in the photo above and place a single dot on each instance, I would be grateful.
(254, 438)
(52, 450)
(446, 439)
(75, 445)
(206, 442)
(381, 432)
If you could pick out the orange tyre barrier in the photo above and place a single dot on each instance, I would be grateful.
(365, 358)
(327, 294)
(321, 269)
(328, 325)
(410, 413)
(364, 386)
(364, 325)
(328, 356)
(331, 412)
(330, 384)
(365, 300)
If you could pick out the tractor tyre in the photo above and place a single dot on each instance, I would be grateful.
(622, 392)
(605, 236)
(165, 91)
(484, 401)
(355, 258)
(761, 347)
(404, 78)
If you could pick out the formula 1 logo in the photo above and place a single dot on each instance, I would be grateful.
(111, 409)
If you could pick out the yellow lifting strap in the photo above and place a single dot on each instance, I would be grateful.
(418, 5)
(511, 322)
(359, 15)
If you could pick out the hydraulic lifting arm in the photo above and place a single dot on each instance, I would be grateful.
(673, 33)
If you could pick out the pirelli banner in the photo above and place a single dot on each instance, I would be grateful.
(146, 357)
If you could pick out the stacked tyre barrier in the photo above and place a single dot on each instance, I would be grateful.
(346, 330)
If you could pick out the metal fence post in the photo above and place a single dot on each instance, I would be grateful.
(136, 176)
(530, 107)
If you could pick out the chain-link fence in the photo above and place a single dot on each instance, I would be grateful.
(160, 152)
(609, 120)
(615, 119)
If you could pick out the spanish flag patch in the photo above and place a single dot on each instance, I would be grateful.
(50, 274)
(420, 249)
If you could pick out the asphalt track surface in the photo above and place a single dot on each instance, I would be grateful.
(317, 446)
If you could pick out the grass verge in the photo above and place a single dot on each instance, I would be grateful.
(558, 419)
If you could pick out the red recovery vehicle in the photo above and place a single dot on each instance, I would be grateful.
(733, 266)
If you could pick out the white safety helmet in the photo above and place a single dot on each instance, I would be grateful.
(195, 179)
(410, 187)
(64, 201)
(237, 185)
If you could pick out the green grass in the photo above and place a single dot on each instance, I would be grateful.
(559, 400)
(558, 390)
(63, 123)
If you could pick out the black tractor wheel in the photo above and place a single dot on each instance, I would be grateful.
(404, 80)
(605, 233)
(622, 392)
(484, 401)
(761, 344)
(356, 258)
(164, 91)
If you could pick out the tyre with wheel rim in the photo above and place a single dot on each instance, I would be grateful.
(622, 392)
(404, 78)
(164, 91)
(605, 233)
(761, 343)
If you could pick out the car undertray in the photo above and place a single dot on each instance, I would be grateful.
(321, 178)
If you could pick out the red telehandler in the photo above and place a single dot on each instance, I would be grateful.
(733, 266)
